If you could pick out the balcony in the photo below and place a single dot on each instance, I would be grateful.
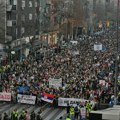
(8, 38)
(9, 8)
(11, 23)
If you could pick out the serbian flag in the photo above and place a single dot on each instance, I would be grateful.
(47, 97)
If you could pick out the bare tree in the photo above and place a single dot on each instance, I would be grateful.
(2, 21)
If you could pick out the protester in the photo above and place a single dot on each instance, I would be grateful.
(0, 116)
(33, 116)
(6, 117)
(72, 112)
(14, 115)
(68, 118)
(68, 109)
(39, 116)
(77, 112)
(85, 73)
(26, 115)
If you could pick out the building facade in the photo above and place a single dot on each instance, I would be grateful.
(21, 17)
(98, 14)
(2, 21)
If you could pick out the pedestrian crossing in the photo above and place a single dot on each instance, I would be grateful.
(48, 113)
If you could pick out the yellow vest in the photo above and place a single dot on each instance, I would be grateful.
(119, 82)
(72, 111)
(118, 93)
(15, 113)
(68, 119)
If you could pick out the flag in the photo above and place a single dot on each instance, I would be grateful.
(47, 97)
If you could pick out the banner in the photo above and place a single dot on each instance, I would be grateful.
(70, 101)
(47, 97)
(75, 52)
(55, 82)
(5, 96)
(74, 42)
(97, 47)
(28, 99)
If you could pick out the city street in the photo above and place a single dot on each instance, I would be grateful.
(59, 59)
(48, 113)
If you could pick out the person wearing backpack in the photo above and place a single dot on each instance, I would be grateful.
(77, 111)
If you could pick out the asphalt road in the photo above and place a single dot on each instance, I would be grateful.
(48, 113)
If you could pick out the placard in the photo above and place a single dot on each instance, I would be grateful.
(70, 101)
(28, 99)
(5, 96)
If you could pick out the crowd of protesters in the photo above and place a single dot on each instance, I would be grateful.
(81, 73)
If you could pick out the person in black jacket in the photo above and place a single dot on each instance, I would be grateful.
(5, 116)
(39, 116)
(68, 109)
(0, 116)
(32, 116)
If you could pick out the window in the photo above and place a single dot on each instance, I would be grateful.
(16, 31)
(9, 2)
(9, 16)
(23, 17)
(23, 3)
(35, 4)
(30, 3)
(15, 2)
(30, 16)
(22, 30)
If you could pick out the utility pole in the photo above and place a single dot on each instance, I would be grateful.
(116, 62)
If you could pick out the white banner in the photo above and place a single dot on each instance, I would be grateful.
(74, 42)
(28, 99)
(70, 101)
(5, 96)
(98, 47)
(75, 52)
(55, 82)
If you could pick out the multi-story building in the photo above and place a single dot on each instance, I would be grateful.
(2, 27)
(98, 12)
(21, 23)
(21, 19)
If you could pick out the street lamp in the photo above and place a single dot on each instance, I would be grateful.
(12, 53)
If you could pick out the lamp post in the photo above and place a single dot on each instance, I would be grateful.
(116, 61)
(12, 53)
